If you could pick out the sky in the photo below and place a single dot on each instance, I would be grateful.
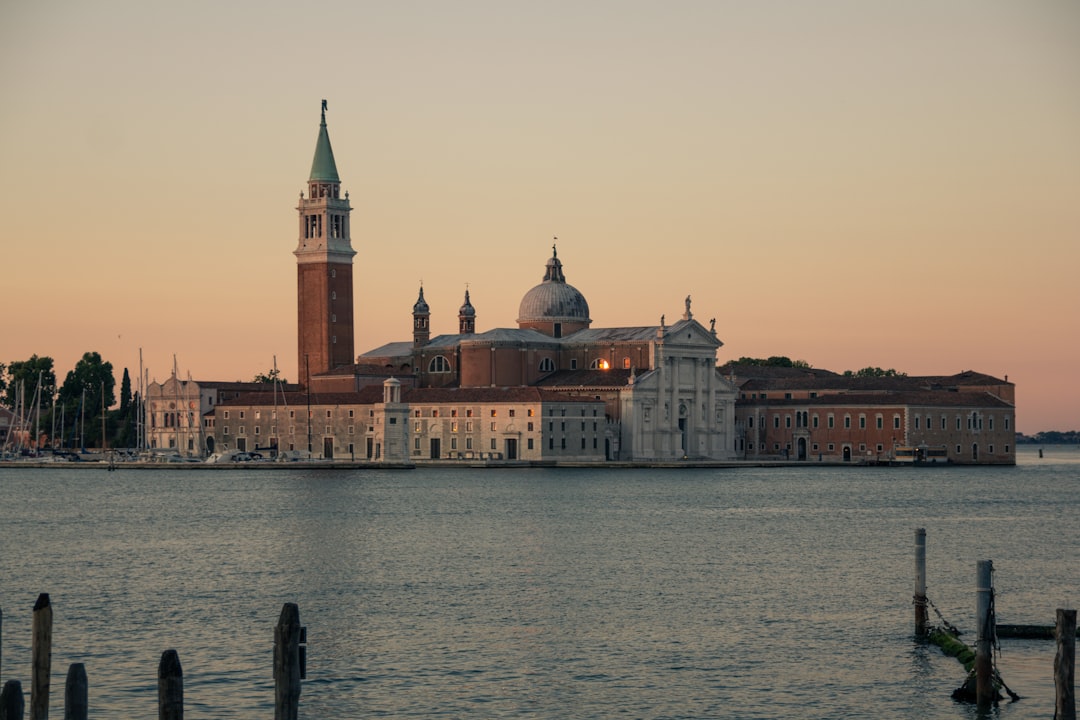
(892, 184)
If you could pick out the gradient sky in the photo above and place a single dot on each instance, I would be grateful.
(849, 183)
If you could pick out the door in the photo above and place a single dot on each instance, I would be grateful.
(436, 447)
(328, 448)
(511, 448)
(802, 448)
(847, 453)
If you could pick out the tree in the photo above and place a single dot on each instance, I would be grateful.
(86, 390)
(773, 361)
(270, 377)
(28, 372)
(3, 382)
(874, 372)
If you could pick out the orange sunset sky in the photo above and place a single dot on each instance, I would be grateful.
(849, 183)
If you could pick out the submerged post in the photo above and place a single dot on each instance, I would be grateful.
(41, 650)
(170, 687)
(11, 701)
(1065, 666)
(984, 675)
(287, 664)
(920, 582)
(76, 706)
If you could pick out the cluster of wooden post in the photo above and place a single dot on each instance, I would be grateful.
(985, 690)
(290, 661)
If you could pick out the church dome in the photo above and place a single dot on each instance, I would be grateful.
(553, 300)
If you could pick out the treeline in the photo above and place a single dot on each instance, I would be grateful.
(1050, 437)
(784, 361)
(80, 413)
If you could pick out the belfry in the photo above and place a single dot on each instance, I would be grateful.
(324, 257)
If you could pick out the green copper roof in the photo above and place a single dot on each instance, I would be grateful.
(323, 166)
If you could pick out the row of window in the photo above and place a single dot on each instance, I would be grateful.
(862, 448)
(439, 364)
(974, 421)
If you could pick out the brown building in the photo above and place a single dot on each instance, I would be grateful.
(814, 414)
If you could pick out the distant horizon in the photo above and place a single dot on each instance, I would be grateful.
(854, 185)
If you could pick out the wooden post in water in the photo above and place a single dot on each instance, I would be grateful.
(920, 583)
(984, 674)
(170, 687)
(41, 649)
(11, 701)
(76, 705)
(1065, 666)
(287, 664)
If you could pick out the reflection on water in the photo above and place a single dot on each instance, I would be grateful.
(750, 593)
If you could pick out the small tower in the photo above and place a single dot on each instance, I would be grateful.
(324, 258)
(467, 317)
(421, 314)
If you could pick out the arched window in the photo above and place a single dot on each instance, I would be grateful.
(439, 364)
(547, 365)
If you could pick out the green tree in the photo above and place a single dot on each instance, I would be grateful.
(87, 389)
(123, 419)
(269, 377)
(3, 380)
(874, 372)
(28, 372)
(773, 361)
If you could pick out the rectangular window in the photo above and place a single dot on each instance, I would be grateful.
(453, 413)
(351, 413)
(750, 421)
(257, 428)
(416, 443)
(530, 412)
(492, 427)
(328, 415)
(896, 422)
(582, 443)
(564, 443)
(776, 421)
(787, 421)
(350, 429)
(468, 426)
(847, 422)
(494, 443)
(468, 443)
(241, 414)
(916, 422)
(494, 413)
(511, 412)
(530, 427)
(453, 427)
(862, 422)
(1006, 422)
(814, 421)
(468, 413)
(880, 422)
(453, 443)
(832, 421)
(226, 414)
(530, 442)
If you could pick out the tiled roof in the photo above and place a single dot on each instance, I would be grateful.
(920, 398)
(613, 378)
(486, 395)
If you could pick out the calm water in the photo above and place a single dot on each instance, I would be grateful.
(748, 593)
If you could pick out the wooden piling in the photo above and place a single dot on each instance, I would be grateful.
(921, 619)
(76, 704)
(1065, 666)
(287, 664)
(170, 687)
(984, 674)
(11, 701)
(41, 651)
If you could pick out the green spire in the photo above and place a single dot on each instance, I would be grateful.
(323, 166)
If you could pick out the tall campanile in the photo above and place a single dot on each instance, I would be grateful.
(324, 262)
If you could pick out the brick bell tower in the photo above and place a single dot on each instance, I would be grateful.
(324, 259)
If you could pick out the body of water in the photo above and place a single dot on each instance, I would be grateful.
(540, 593)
